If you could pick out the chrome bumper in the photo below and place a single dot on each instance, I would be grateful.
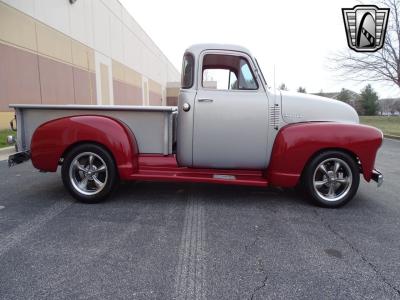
(377, 176)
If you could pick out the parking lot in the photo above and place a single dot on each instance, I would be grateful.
(197, 241)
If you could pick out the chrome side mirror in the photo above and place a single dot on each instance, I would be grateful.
(11, 140)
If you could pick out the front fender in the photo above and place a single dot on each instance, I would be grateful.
(52, 139)
(295, 144)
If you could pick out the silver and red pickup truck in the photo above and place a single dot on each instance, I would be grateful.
(229, 128)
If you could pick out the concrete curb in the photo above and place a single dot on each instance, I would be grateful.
(395, 137)
(7, 150)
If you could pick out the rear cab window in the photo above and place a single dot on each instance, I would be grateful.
(187, 71)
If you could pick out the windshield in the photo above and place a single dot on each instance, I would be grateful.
(262, 75)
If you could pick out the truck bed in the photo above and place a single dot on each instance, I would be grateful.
(153, 126)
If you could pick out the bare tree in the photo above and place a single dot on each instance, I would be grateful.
(383, 65)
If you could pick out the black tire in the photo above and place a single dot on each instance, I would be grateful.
(99, 183)
(345, 180)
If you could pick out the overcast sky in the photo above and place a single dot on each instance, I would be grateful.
(295, 36)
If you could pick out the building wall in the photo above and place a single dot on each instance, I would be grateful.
(173, 89)
(89, 52)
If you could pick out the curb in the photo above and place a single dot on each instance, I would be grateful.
(395, 137)
(7, 150)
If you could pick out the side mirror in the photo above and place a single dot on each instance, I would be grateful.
(10, 140)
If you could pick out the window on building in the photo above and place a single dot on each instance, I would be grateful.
(227, 72)
(187, 71)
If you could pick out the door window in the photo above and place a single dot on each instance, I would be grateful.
(220, 79)
(227, 72)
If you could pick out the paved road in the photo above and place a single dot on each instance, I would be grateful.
(188, 241)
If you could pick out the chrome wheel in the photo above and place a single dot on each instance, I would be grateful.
(332, 179)
(88, 173)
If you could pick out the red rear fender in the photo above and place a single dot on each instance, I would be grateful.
(51, 140)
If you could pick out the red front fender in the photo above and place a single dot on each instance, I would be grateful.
(295, 144)
(53, 138)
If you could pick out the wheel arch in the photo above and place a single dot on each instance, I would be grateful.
(338, 149)
(76, 144)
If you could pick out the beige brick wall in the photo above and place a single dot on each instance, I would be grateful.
(5, 118)
(40, 64)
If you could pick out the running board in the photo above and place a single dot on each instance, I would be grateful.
(165, 168)
(192, 176)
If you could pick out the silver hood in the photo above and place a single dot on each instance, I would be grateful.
(299, 107)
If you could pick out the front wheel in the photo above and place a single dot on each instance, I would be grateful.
(331, 178)
(89, 173)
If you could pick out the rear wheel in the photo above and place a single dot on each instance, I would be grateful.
(89, 173)
(331, 178)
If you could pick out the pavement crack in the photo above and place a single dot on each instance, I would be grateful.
(358, 252)
(258, 288)
(260, 267)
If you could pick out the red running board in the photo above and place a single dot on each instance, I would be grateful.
(165, 168)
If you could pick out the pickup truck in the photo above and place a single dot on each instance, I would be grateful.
(229, 127)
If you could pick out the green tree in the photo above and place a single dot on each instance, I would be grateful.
(283, 87)
(301, 90)
(344, 96)
(369, 100)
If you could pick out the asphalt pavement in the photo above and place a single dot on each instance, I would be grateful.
(197, 241)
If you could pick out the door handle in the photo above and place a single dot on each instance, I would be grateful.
(205, 100)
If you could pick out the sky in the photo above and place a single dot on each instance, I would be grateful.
(294, 38)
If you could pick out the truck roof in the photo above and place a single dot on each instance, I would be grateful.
(198, 48)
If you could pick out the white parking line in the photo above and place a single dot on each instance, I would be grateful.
(2, 207)
(190, 277)
(22, 231)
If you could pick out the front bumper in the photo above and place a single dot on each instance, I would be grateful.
(377, 176)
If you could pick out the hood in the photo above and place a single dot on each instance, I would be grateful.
(299, 107)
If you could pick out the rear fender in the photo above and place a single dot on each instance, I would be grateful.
(296, 144)
(53, 139)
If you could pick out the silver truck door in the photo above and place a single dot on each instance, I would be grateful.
(184, 135)
(230, 127)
